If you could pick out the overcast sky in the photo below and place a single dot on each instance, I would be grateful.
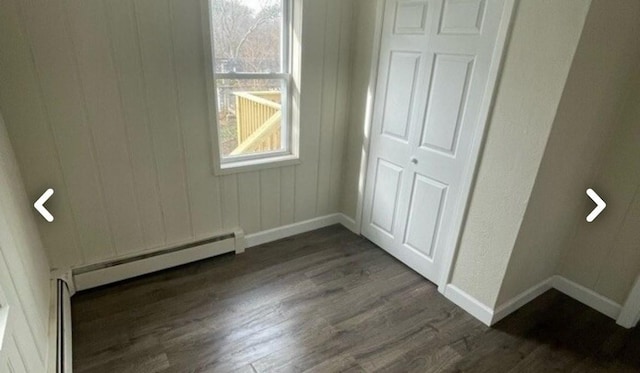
(255, 4)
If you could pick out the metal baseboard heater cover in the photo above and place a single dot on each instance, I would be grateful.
(121, 269)
(63, 362)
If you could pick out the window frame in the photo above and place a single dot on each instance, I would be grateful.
(290, 118)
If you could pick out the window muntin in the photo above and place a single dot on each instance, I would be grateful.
(252, 78)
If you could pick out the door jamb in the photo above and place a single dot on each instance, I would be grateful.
(486, 109)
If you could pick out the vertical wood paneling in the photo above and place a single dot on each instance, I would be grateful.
(57, 70)
(126, 54)
(361, 47)
(116, 106)
(189, 62)
(287, 194)
(19, 341)
(24, 274)
(249, 201)
(26, 297)
(15, 362)
(314, 14)
(270, 198)
(230, 218)
(20, 241)
(153, 22)
(19, 86)
(11, 358)
(99, 87)
(329, 94)
(342, 99)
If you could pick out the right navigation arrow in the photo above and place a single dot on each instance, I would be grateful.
(600, 205)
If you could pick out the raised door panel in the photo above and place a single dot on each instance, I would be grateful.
(410, 17)
(425, 212)
(399, 93)
(445, 109)
(388, 179)
(462, 16)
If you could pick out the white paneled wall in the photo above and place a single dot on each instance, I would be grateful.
(105, 101)
(24, 274)
(362, 47)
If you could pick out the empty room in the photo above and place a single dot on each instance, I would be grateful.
(319, 186)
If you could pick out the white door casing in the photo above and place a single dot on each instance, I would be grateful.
(437, 59)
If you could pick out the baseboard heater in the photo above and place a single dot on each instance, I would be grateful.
(124, 268)
(63, 354)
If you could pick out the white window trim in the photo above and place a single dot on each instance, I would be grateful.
(292, 46)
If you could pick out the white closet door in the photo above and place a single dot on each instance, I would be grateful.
(432, 76)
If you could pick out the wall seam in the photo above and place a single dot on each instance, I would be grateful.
(47, 114)
(86, 123)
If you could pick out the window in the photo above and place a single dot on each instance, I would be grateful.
(252, 80)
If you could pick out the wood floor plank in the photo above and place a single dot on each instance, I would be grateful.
(327, 301)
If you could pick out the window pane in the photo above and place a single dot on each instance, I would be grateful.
(247, 35)
(250, 116)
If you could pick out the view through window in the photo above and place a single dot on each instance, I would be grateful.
(251, 60)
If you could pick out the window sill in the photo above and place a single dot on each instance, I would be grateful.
(257, 164)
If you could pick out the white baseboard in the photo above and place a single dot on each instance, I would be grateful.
(520, 300)
(630, 313)
(285, 231)
(468, 303)
(490, 316)
(349, 223)
(587, 296)
(83, 279)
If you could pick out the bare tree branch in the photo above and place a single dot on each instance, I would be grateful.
(265, 16)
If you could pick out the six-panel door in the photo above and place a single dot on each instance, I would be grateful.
(432, 76)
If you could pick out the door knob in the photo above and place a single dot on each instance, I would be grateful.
(414, 160)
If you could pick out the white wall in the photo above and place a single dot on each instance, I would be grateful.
(24, 274)
(590, 109)
(362, 49)
(605, 256)
(105, 102)
(540, 51)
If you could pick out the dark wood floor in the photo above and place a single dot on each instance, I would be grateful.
(327, 301)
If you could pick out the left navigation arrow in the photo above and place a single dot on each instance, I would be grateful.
(39, 205)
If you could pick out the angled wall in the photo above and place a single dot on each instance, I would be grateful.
(537, 62)
(593, 144)
(604, 256)
(24, 273)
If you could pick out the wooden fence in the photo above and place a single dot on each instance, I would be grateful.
(258, 122)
